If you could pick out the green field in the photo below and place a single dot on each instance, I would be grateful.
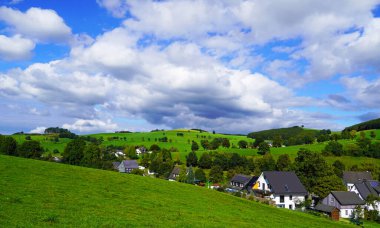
(183, 143)
(42, 194)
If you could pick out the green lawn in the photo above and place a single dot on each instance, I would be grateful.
(41, 194)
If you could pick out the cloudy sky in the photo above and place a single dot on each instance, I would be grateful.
(226, 65)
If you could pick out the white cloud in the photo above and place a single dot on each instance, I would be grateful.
(15, 48)
(38, 130)
(94, 125)
(42, 25)
(118, 8)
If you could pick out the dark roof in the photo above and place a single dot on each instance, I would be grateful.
(115, 165)
(365, 188)
(175, 171)
(353, 177)
(324, 208)
(284, 182)
(130, 164)
(240, 178)
(347, 198)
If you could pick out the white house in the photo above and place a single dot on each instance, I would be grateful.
(365, 188)
(344, 201)
(350, 178)
(284, 188)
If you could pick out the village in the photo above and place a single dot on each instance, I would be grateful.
(284, 189)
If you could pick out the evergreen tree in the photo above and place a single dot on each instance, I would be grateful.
(194, 146)
(192, 159)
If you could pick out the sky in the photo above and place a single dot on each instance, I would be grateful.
(232, 66)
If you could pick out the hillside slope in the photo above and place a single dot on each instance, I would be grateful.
(37, 193)
(368, 125)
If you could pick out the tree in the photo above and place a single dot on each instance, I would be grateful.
(92, 156)
(334, 147)
(190, 175)
(130, 151)
(372, 134)
(283, 162)
(310, 167)
(353, 134)
(194, 146)
(267, 163)
(215, 143)
(263, 148)
(338, 168)
(200, 175)
(8, 146)
(324, 185)
(73, 152)
(226, 143)
(192, 159)
(205, 161)
(30, 149)
(28, 137)
(182, 177)
(154, 147)
(139, 172)
(205, 144)
(221, 160)
(258, 140)
(242, 144)
(216, 174)
(277, 141)
(235, 160)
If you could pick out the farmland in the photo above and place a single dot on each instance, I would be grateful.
(41, 194)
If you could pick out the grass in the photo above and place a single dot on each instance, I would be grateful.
(43, 194)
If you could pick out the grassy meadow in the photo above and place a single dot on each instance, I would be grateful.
(44, 194)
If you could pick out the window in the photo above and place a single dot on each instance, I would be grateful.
(332, 200)
(290, 207)
(282, 198)
(346, 212)
(290, 197)
(259, 184)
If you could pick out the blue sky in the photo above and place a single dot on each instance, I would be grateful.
(230, 66)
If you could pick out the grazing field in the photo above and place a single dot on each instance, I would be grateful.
(41, 194)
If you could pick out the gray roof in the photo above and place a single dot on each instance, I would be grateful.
(324, 208)
(130, 164)
(353, 177)
(366, 188)
(175, 171)
(115, 165)
(240, 178)
(347, 198)
(284, 182)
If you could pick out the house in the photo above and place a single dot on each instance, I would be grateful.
(331, 211)
(344, 201)
(241, 182)
(115, 165)
(141, 150)
(365, 188)
(174, 174)
(350, 178)
(126, 166)
(284, 188)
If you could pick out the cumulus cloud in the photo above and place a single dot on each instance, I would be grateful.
(38, 130)
(42, 25)
(94, 125)
(117, 8)
(15, 48)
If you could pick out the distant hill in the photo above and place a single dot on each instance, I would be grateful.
(368, 125)
(44, 194)
(285, 133)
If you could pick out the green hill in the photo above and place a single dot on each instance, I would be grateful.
(285, 133)
(37, 194)
(368, 125)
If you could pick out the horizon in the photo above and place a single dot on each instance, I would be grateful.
(236, 67)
